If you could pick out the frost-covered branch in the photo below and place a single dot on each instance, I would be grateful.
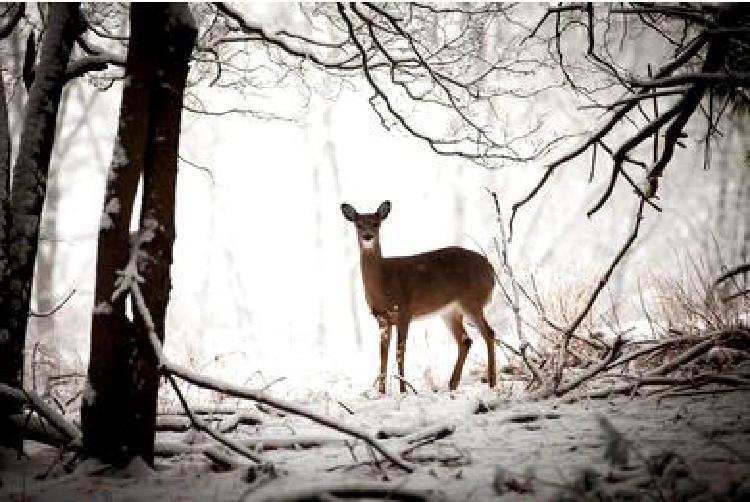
(410, 60)
(695, 73)
(68, 431)
(658, 376)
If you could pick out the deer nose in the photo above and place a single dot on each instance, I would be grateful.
(367, 236)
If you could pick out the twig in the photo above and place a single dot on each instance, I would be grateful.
(739, 269)
(56, 308)
(594, 370)
(407, 383)
(201, 425)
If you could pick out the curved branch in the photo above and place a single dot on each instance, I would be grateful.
(56, 308)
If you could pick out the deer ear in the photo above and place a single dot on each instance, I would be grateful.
(349, 212)
(384, 209)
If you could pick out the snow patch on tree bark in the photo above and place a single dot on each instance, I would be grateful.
(103, 308)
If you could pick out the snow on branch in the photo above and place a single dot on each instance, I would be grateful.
(715, 69)
(70, 433)
(407, 67)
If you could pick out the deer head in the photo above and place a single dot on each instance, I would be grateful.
(368, 224)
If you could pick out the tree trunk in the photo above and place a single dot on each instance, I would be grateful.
(4, 197)
(118, 410)
(157, 229)
(6, 356)
(29, 185)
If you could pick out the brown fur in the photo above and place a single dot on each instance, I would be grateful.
(400, 288)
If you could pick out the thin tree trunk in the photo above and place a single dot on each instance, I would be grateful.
(4, 192)
(104, 405)
(6, 356)
(118, 410)
(157, 229)
(29, 185)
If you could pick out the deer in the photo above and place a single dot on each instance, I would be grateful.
(452, 282)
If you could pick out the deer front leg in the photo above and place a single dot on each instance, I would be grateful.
(403, 330)
(385, 341)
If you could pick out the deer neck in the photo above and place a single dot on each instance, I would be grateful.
(371, 261)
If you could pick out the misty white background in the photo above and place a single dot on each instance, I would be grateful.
(263, 260)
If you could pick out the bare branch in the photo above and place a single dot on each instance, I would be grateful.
(18, 10)
(56, 308)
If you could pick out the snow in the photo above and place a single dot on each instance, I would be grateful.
(102, 308)
(119, 156)
(106, 222)
(89, 394)
(541, 447)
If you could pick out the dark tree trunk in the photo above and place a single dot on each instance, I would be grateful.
(119, 406)
(157, 231)
(4, 194)
(28, 188)
(104, 405)
(6, 355)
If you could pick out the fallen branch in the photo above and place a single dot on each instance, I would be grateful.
(236, 391)
(657, 376)
(172, 423)
(595, 370)
(170, 370)
(67, 430)
(210, 409)
(426, 436)
(701, 392)
(659, 345)
(271, 443)
(231, 422)
(228, 423)
(30, 425)
(202, 425)
(168, 449)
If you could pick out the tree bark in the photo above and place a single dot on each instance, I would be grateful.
(28, 188)
(157, 228)
(119, 406)
(4, 192)
(6, 356)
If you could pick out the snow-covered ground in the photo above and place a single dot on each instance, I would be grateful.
(508, 449)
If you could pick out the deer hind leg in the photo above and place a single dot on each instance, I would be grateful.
(488, 334)
(385, 341)
(455, 324)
